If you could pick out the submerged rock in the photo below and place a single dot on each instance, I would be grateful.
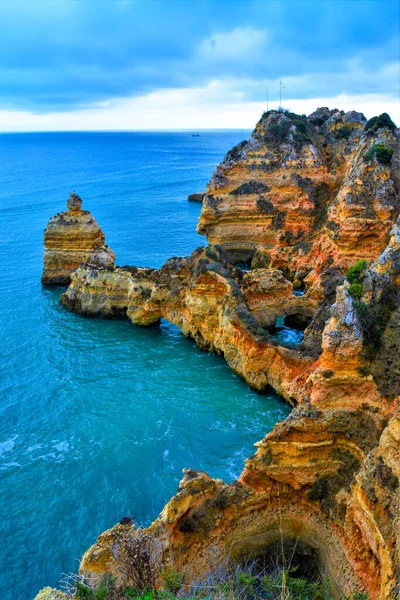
(196, 197)
(70, 239)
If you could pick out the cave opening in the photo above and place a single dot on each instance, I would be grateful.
(245, 267)
(292, 555)
(287, 332)
(300, 291)
(298, 321)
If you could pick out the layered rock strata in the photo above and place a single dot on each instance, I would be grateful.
(302, 189)
(324, 482)
(327, 477)
(71, 238)
(206, 298)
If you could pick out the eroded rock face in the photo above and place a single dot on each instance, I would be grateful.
(209, 300)
(49, 593)
(327, 478)
(70, 239)
(302, 189)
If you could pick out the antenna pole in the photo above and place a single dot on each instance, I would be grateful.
(280, 94)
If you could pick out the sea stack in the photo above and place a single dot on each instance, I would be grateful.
(72, 238)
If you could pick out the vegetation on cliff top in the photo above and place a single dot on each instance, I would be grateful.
(381, 152)
(382, 121)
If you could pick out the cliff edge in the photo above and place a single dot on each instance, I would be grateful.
(311, 204)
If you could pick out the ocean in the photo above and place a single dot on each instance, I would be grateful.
(98, 418)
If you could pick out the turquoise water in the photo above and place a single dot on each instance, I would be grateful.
(98, 418)
(287, 336)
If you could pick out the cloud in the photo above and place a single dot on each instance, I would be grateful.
(217, 105)
(242, 43)
(65, 55)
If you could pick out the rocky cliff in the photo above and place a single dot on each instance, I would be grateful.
(309, 190)
(312, 203)
(71, 238)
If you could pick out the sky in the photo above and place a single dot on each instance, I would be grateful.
(192, 64)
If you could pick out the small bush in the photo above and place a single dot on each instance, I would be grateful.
(382, 121)
(137, 555)
(356, 290)
(353, 274)
(364, 370)
(246, 582)
(280, 131)
(382, 153)
(235, 584)
(173, 580)
(105, 591)
(343, 133)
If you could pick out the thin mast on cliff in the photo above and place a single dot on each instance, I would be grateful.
(280, 94)
(266, 91)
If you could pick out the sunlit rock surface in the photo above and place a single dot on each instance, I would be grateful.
(70, 239)
(301, 188)
(302, 203)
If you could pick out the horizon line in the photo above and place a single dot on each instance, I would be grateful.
(126, 130)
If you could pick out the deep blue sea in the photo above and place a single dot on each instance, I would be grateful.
(98, 418)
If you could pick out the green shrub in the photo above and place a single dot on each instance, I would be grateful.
(280, 131)
(328, 373)
(105, 591)
(173, 580)
(382, 121)
(343, 133)
(364, 370)
(355, 272)
(83, 592)
(359, 596)
(236, 585)
(355, 276)
(246, 583)
(382, 153)
(356, 290)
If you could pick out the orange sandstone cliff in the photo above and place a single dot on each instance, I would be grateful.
(71, 238)
(312, 204)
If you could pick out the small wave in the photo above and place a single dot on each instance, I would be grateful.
(7, 446)
(6, 466)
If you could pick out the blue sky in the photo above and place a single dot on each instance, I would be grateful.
(99, 64)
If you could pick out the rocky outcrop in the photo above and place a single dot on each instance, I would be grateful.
(309, 482)
(324, 484)
(70, 239)
(302, 189)
(49, 593)
(209, 300)
(199, 197)
(325, 481)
